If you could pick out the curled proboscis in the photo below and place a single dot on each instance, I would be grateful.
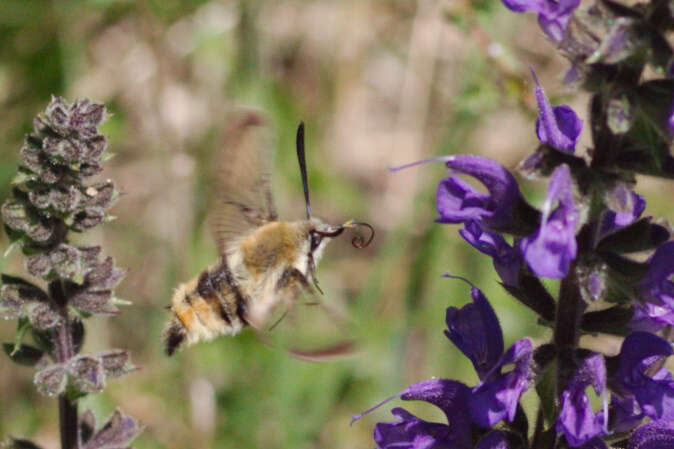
(359, 241)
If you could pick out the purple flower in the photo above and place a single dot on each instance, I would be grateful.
(654, 391)
(654, 435)
(475, 330)
(459, 202)
(657, 291)
(576, 420)
(410, 432)
(496, 439)
(550, 251)
(625, 413)
(553, 15)
(557, 126)
(507, 259)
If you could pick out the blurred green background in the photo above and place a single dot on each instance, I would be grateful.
(378, 83)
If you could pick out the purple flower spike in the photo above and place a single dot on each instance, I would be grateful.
(553, 15)
(550, 251)
(459, 202)
(654, 392)
(557, 126)
(507, 259)
(576, 420)
(475, 330)
(654, 435)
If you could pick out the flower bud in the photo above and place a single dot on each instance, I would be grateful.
(86, 374)
(51, 381)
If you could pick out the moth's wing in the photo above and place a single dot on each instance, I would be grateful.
(305, 325)
(243, 199)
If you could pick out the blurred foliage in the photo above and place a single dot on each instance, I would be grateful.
(379, 83)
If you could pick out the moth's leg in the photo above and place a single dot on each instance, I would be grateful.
(291, 283)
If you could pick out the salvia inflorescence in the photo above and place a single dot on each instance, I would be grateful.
(585, 234)
(52, 197)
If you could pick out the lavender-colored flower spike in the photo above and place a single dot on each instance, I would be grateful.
(553, 16)
(653, 391)
(576, 420)
(557, 126)
(507, 259)
(475, 330)
(459, 202)
(550, 251)
(654, 435)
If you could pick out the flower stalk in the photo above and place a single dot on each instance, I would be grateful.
(52, 197)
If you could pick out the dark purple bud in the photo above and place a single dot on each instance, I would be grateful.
(51, 381)
(593, 282)
(65, 199)
(30, 157)
(66, 262)
(104, 275)
(94, 302)
(475, 330)
(576, 420)
(100, 195)
(117, 432)
(550, 251)
(62, 149)
(51, 174)
(40, 198)
(88, 218)
(557, 126)
(90, 254)
(94, 147)
(655, 286)
(57, 112)
(654, 435)
(87, 374)
(42, 315)
(116, 363)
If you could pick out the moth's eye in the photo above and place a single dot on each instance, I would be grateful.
(315, 240)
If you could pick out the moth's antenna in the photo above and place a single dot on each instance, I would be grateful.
(303, 166)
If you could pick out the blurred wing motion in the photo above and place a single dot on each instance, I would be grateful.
(310, 330)
(244, 200)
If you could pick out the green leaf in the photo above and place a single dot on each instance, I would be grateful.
(25, 355)
(22, 327)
